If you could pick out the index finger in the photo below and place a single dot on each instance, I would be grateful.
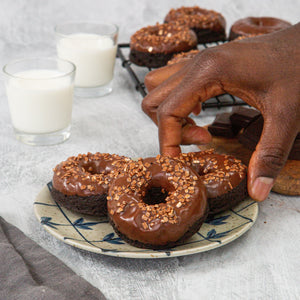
(153, 100)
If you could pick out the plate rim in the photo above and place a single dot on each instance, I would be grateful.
(144, 253)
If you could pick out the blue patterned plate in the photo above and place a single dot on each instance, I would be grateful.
(96, 235)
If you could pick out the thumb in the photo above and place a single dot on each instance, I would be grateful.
(270, 155)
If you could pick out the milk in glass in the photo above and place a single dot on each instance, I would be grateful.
(40, 101)
(93, 55)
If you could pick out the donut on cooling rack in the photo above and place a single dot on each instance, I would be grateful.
(157, 203)
(223, 175)
(80, 183)
(208, 25)
(252, 26)
(153, 46)
(182, 57)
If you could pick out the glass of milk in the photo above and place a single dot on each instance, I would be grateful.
(40, 96)
(92, 48)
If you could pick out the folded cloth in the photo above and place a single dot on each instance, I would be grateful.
(27, 271)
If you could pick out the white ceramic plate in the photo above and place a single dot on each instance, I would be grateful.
(96, 235)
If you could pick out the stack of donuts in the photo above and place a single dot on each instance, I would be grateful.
(156, 202)
(185, 27)
(182, 30)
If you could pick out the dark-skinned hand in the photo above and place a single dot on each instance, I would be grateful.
(264, 71)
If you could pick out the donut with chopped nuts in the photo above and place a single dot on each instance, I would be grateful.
(243, 37)
(208, 25)
(253, 26)
(182, 57)
(80, 183)
(153, 46)
(157, 203)
(223, 175)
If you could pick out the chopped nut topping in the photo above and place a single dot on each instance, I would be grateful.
(163, 38)
(75, 172)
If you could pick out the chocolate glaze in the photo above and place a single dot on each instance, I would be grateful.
(163, 38)
(256, 26)
(200, 20)
(87, 174)
(219, 173)
(191, 231)
(163, 223)
(229, 199)
(183, 56)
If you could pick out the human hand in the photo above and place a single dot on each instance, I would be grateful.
(263, 71)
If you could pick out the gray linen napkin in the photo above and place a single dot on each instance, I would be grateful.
(27, 271)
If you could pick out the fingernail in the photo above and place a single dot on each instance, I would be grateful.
(261, 188)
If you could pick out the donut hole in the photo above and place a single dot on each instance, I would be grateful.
(95, 168)
(155, 195)
(90, 169)
(263, 22)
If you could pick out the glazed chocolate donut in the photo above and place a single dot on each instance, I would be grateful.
(80, 183)
(256, 26)
(182, 57)
(224, 177)
(157, 203)
(153, 46)
(243, 37)
(208, 25)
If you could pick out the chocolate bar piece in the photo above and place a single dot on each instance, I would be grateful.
(222, 126)
(251, 135)
(229, 124)
(242, 116)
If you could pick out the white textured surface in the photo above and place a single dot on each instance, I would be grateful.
(263, 264)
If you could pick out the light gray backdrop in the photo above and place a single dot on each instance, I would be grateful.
(263, 264)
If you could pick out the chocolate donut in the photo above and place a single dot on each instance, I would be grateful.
(208, 25)
(153, 46)
(80, 183)
(182, 57)
(223, 175)
(157, 203)
(256, 26)
(243, 37)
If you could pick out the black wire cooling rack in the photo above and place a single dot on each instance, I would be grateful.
(137, 74)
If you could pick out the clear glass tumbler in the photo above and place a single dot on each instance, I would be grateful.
(92, 48)
(40, 97)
